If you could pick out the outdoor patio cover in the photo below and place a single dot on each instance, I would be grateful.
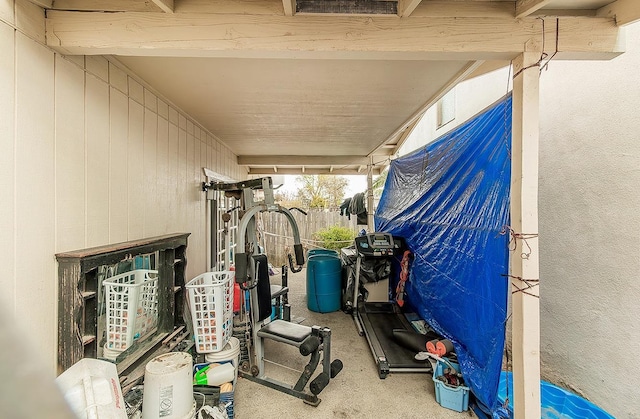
(450, 201)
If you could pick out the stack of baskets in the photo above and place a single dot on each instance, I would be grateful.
(211, 305)
(131, 309)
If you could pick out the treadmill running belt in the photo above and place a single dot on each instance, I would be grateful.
(397, 356)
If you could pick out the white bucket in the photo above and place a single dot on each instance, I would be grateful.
(168, 389)
(110, 354)
(92, 389)
(230, 352)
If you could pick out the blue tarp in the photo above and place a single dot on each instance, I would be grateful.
(450, 201)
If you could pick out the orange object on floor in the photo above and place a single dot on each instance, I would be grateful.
(443, 347)
(431, 346)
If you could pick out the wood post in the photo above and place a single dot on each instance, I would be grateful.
(524, 264)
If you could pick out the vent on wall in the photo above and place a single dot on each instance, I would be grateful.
(383, 7)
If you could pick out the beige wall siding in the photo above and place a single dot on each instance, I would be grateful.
(97, 114)
(7, 166)
(35, 188)
(134, 158)
(90, 156)
(118, 175)
(70, 155)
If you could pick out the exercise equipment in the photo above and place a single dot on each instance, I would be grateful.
(382, 322)
(252, 274)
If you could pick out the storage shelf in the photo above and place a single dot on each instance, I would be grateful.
(78, 282)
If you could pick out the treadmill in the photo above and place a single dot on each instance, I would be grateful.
(376, 320)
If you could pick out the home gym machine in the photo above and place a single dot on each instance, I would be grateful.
(252, 273)
(375, 317)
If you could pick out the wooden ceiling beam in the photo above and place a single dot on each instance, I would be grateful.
(308, 171)
(278, 160)
(106, 5)
(444, 8)
(45, 4)
(624, 11)
(406, 7)
(289, 7)
(164, 5)
(324, 37)
(525, 8)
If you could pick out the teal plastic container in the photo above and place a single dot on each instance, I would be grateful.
(315, 252)
(454, 398)
(324, 282)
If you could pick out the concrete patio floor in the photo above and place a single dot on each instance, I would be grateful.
(356, 392)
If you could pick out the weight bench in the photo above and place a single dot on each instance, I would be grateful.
(311, 341)
(314, 341)
(252, 273)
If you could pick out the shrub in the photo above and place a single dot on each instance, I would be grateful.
(335, 237)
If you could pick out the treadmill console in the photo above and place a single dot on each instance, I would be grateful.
(376, 245)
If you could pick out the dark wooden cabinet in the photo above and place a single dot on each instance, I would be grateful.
(78, 291)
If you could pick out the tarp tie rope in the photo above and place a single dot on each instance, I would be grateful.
(543, 55)
(514, 236)
(529, 284)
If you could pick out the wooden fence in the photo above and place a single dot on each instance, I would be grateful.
(278, 238)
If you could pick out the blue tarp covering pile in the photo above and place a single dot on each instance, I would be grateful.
(450, 201)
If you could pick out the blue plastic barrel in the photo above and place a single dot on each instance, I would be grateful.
(314, 252)
(324, 282)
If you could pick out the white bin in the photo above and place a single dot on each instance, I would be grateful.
(132, 308)
(168, 388)
(92, 390)
(211, 306)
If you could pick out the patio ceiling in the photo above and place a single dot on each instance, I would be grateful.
(324, 86)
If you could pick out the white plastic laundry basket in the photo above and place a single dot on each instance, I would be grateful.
(132, 307)
(211, 305)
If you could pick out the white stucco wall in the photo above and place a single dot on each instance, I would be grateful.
(589, 219)
(89, 156)
(590, 228)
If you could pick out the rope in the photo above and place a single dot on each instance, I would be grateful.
(545, 66)
(304, 240)
(529, 284)
(514, 236)
(543, 54)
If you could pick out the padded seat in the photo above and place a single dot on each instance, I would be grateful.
(286, 332)
(278, 290)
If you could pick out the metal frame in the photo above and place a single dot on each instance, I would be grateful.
(246, 244)
(365, 327)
